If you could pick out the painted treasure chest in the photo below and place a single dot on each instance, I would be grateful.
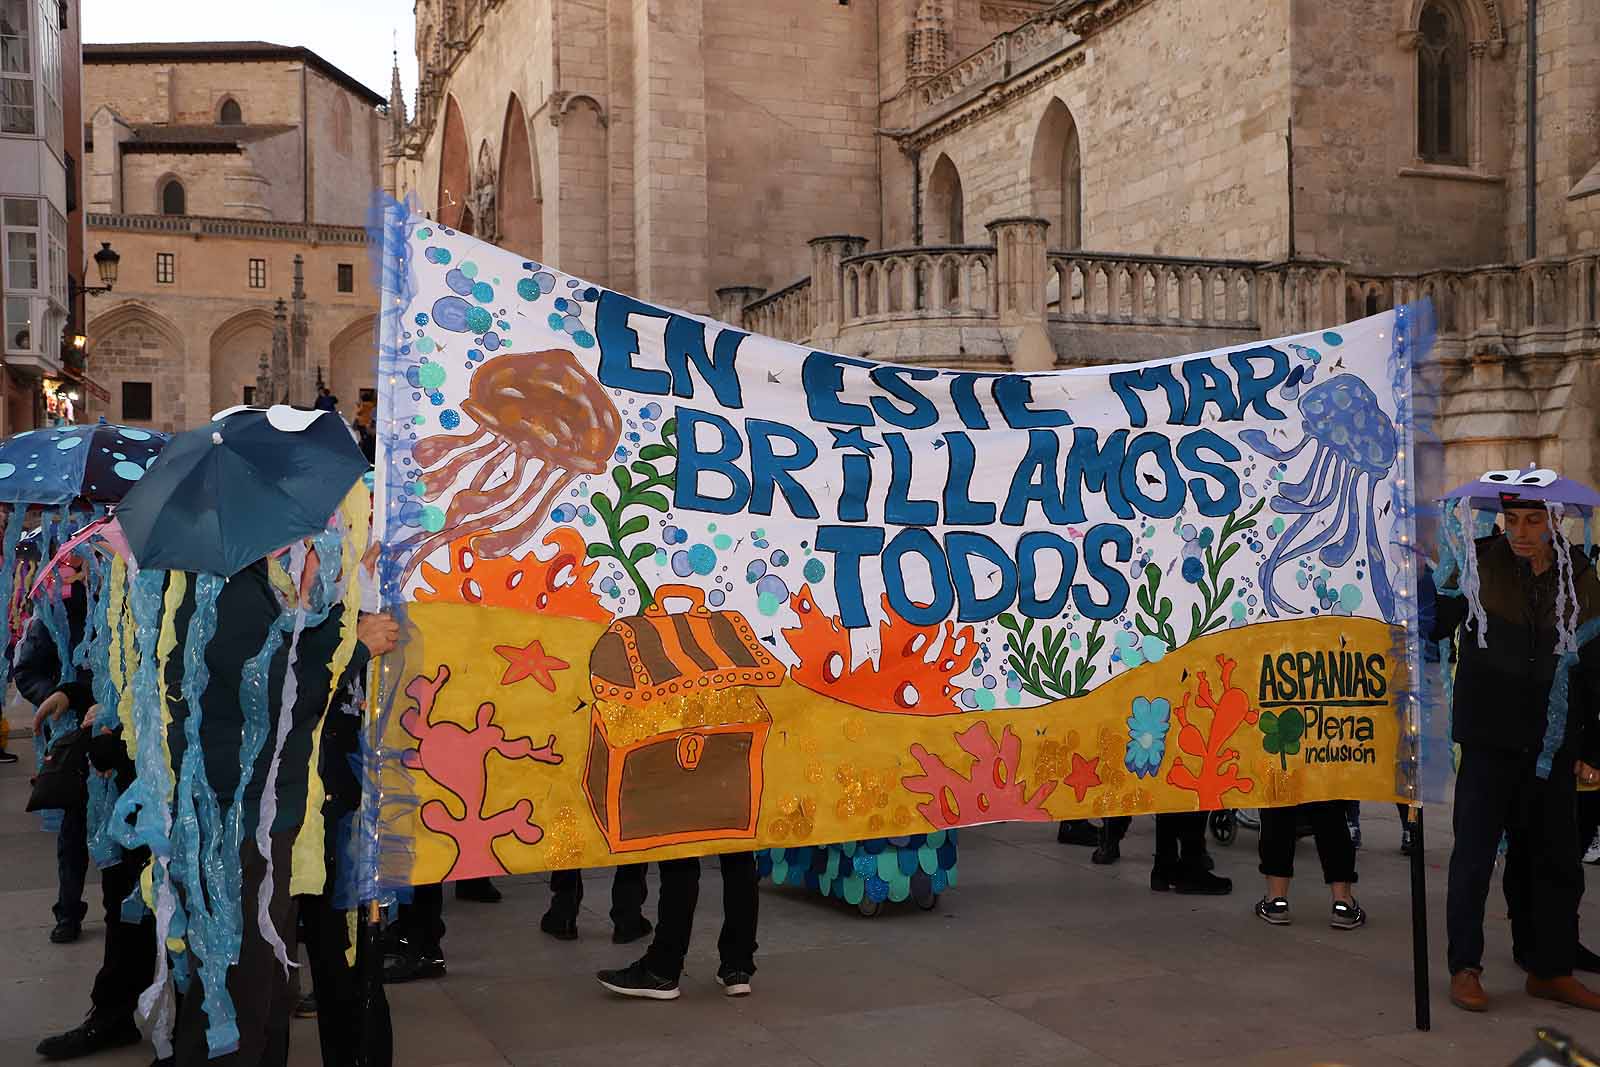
(678, 726)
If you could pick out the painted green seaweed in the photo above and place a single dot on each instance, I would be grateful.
(1154, 619)
(1047, 668)
(631, 494)
(1209, 615)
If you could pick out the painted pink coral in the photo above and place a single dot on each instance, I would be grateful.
(457, 758)
(991, 792)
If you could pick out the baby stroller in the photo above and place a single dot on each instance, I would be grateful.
(1225, 824)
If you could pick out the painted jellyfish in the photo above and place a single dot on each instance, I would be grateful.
(545, 414)
(1355, 442)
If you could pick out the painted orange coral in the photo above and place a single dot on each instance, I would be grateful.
(1219, 766)
(558, 585)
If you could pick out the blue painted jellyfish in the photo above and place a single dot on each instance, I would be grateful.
(1355, 443)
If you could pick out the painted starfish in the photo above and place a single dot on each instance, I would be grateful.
(530, 662)
(1085, 776)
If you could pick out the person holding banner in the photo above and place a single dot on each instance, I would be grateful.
(1520, 595)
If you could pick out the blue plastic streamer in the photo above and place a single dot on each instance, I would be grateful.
(388, 797)
(1417, 703)
(1555, 728)
(12, 519)
(198, 862)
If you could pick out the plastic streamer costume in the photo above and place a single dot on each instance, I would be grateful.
(195, 881)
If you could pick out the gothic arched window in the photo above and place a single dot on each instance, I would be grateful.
(172, 198)
(1442, 84)
(231, 114)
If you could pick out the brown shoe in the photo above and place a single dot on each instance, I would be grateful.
(1466, 990)
(1565, 990)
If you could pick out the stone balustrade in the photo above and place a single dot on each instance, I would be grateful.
(1152, 305)
(209, 226)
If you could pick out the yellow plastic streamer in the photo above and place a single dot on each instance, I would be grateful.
(310, 867)
(123, 645)
(177, 585)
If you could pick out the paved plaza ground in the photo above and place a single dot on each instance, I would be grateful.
(1037, 957)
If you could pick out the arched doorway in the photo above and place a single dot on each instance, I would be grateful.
(351, 365)
(455, 176)
(236, 350)
(521, 206)
(1056, 176)
(945, 223)
(139, 357)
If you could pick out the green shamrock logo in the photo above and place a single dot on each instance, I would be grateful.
(1281, 733)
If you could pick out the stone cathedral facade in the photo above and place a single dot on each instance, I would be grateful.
(1034, 184)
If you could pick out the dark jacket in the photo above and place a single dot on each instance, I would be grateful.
(1502, 691)
(247, 611)
(37, 670)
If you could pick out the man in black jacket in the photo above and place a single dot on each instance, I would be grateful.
(1502, 697)
(38, 676)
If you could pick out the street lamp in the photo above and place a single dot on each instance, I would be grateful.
(105, 261)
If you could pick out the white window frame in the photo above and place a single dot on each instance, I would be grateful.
(20, 81)
(48, 35)
(46, 298)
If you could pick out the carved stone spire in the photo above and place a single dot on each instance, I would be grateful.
(928, 44)
(397, 105)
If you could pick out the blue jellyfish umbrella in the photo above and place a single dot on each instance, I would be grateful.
(97, 463)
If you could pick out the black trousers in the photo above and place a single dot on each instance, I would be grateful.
(336, 982)
(1498, 793)
(128, 963)
(628, 894)
(262, 998)
(1181, 840)
(680, 892)
(1334, 846)
(421, 922)
(72, 865)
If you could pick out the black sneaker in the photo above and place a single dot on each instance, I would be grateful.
(478, 891)
(734, 982)
(1077, 832)
(559, 927)
(66, 931)
(1347, 916)
(7, 756)
(307, 1008)
(628, 933)
(410, 964)
(91, 1037)
(1274, 910)
(635, 981)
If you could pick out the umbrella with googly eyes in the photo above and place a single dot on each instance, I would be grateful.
(1493, 490)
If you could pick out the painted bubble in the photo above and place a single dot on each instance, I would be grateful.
(424, 345)
(470, 269)
(1350, 598)
(815, 570)
(767, 604)
(583, 339)
(491, 341)
(780, 558)
(458, 282)
(449, 419)
(422, 320)
(1332, 338)
(772, 585)
(716, 598)
(431, 375)
(528, 289)
(483, 292)
(435, 254)
(703, 559)
(681, 565)
(479, 320)
(653, 411)
(450, 313)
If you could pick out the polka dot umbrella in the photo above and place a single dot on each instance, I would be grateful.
(58, 465)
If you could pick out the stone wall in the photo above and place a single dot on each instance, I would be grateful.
(192, 93)
(199, 339)
(343, 146)
(1209, 183)
(1362, 193)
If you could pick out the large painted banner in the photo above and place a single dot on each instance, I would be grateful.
(674, 588)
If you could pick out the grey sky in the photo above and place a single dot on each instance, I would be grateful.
(357, 36)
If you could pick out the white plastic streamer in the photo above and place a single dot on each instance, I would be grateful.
(1476, 617)
(269, 794)
(1566, 590)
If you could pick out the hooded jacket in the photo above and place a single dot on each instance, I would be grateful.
(1502, 690)
(37, 670)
